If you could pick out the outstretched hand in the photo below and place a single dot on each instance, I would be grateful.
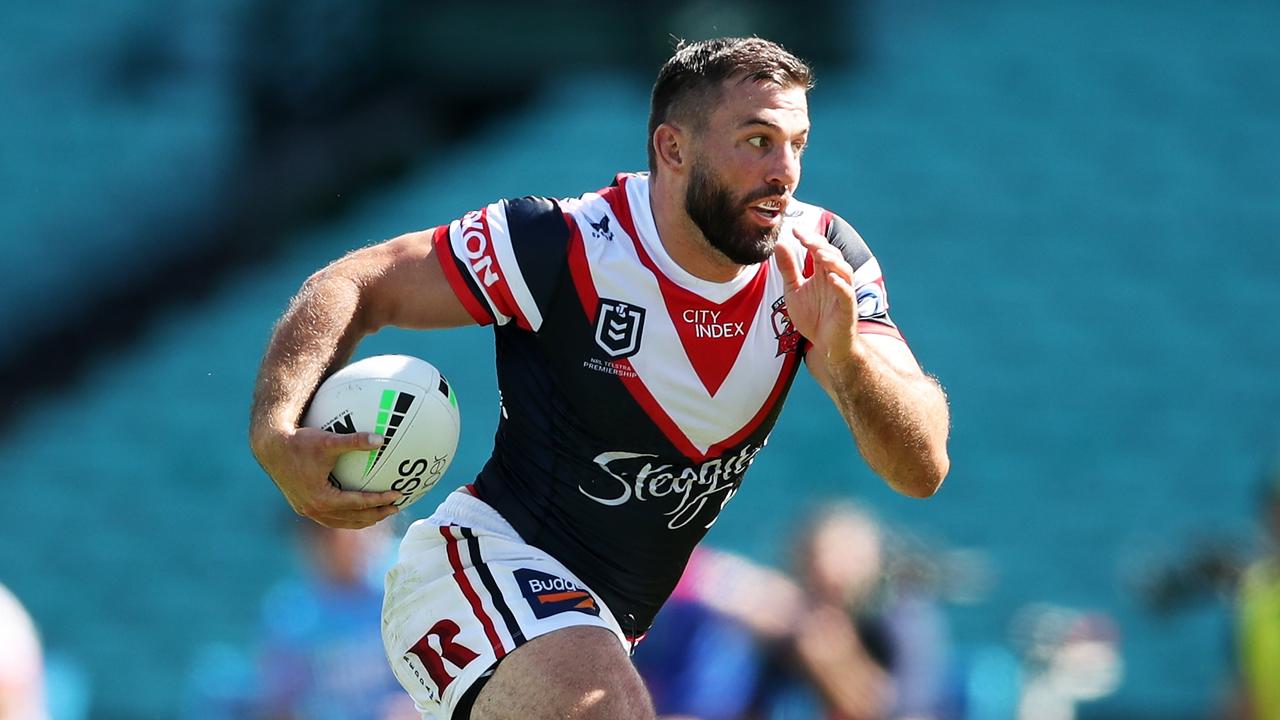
(300, 462)
(823, 307)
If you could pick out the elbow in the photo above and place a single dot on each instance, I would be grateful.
(924, 480)
(343, 285)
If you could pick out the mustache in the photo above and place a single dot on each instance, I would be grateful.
(768, 191)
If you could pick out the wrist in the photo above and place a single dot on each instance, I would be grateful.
(849, 368)
(847, 355)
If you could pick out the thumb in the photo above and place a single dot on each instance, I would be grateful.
(788, 265)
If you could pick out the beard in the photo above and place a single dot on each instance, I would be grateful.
(723, 219)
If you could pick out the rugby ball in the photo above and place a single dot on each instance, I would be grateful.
(403, 399)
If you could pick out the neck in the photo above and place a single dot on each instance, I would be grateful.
(682, 238)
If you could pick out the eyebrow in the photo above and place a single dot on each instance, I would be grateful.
(767, 123)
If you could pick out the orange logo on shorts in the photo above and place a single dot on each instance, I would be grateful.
(550, 594)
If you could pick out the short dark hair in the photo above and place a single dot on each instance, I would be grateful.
(695, 72)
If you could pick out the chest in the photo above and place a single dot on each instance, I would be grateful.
(707, 367)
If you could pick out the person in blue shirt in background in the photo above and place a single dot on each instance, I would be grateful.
(848, 639)
(322, 655)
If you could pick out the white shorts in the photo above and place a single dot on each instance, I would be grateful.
(465, 591)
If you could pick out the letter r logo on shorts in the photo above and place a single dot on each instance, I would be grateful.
(456, 653)
(550, 594)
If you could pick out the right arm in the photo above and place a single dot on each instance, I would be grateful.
(397, 282)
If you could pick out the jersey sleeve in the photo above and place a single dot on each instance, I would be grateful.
(504, 259)
(868, 280)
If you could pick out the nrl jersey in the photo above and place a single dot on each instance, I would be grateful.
(634, 395)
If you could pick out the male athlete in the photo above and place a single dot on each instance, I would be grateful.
(646, 335)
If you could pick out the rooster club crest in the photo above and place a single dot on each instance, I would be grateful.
(783, 330)
(618, 328)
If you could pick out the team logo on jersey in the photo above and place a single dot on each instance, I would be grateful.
(551, 594)
(786, 334)
(618, 328)
(601, 229)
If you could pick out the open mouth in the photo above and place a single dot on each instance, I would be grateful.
(768, 211)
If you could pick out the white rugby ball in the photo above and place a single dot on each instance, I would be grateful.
(403, 399)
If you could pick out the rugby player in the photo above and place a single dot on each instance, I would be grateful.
(646, 335)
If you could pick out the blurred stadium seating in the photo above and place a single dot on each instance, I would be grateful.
(1076, 208)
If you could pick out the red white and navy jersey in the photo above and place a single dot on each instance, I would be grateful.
(634, 395)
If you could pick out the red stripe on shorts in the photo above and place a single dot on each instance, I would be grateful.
(459, 574)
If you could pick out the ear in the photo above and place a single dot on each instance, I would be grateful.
(669, 144)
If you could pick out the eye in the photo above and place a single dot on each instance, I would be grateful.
(758, 141)
(799, 147)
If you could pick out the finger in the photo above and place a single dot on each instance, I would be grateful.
(842, 285)
(827, 259)
(788, 265)
(838, 265)
(810, 238)
(817, 244)
(343, 501)
(336, 444)
(357, 518)
(336, 523)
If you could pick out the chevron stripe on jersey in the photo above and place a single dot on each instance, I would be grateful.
(635, 395)
(673, 365)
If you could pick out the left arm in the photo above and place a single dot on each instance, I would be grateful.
(898, 415)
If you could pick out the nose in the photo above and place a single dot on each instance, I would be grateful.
(785, 168)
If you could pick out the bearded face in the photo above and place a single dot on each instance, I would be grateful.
(725, 220)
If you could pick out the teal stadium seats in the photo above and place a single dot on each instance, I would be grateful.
(1076, 209)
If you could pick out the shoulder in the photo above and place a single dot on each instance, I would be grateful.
(535, 219)
(533, 212)
(531, 207)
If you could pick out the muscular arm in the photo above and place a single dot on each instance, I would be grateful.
(897, 414)
(394, 283)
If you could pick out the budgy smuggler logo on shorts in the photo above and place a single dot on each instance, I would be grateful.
(551, 595)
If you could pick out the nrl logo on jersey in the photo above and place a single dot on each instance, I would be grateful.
(618, 328)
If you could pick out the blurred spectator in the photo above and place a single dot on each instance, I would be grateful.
(872, 642)
(1258, 618)
(1068, 657)
(323, 657)
(842, 643)
(21, 663)
(699, 663)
